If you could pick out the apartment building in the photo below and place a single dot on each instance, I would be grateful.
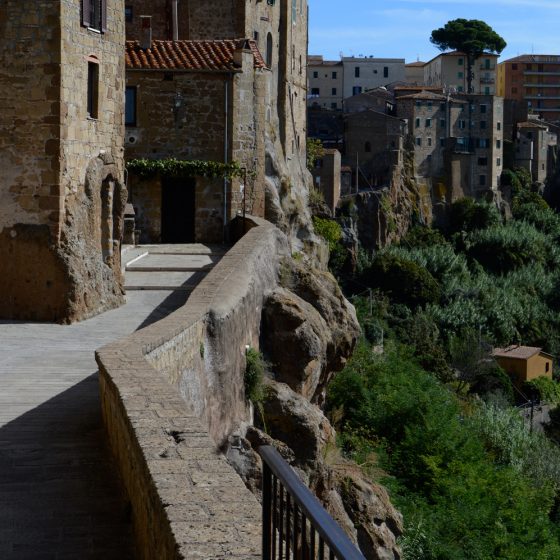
(331, 82)
(533, 80)
(449, 70)
(326, 83)
(363, 74)
(414, 72)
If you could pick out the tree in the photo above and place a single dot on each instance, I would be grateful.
(315, 151)
(471, 36)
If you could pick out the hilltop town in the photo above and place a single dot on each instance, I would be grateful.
(259, 304)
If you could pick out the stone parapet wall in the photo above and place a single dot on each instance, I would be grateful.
(172, 392)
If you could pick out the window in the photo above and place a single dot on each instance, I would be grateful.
(333, 91)
(482, 125)
(460, 89)
(428, 123)
(483, 109)
(498, 161)
(94, 14)
(442, 123)
(498, 126)
(93, 89)
(442, 142)
(442, 106)
(315, 74)
(128, 14)
(482, 161)
(356, 90)
(418, 141)
(498, 144)
(462, 123)
(315, 91)
(385, 71)
(334, 105)
(514, 66)
(487, 90)
(482, 142)
(460, 75)
(429, 140)
(487, 63)
(357, 72)
(334, 75)
(482, 180)
(418, 103)
(256, 36)
(367, 147)
(547, 367)
(294, 12)
(417, 123)
(269, 46)
(130, 106)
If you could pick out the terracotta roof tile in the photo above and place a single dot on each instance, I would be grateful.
(518, 352)
(191, 56)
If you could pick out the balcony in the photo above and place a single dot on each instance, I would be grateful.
(543, 97)
(536, 73)
(488, 67)
(530, 85)
(487, 81)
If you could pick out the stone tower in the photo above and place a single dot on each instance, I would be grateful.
(61, 154)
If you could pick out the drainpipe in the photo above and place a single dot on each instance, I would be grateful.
(226, 152)
(175, 19)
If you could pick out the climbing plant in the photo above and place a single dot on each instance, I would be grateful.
(172, 167)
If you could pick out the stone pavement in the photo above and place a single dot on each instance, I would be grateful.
(59, 493)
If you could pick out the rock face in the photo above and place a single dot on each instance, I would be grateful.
(378, 218)
(312, 319)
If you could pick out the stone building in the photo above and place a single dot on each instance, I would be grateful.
(194, 100)
(271, 121)
(61, 152)
(458, 142)
(532, 147)
(374, 144)
(450, 70)
(327, 177)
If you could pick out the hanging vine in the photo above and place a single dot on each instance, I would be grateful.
(171, 167)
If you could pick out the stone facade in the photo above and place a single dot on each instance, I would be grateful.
(267, 118)
(375, 140)
(458, 142)
(61, 151)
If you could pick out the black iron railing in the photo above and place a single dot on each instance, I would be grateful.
(295, 524)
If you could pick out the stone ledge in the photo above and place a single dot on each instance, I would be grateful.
(187, 501)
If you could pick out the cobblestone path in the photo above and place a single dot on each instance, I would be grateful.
(60, 497)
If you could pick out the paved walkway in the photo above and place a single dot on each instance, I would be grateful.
(59, 494)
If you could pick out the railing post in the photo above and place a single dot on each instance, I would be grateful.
(267, 511)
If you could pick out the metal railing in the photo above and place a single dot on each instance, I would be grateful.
(295, 524)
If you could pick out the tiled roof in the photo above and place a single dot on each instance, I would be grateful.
(190, 56)
(417, 63)
(517, 352)
(531, 124)
(425, 95)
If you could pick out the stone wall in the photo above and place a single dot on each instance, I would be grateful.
(56, 161)
(172, 392)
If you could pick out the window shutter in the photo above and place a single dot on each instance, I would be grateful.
(86, 11)
(103, 15)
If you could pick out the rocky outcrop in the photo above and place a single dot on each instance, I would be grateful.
(378, 218)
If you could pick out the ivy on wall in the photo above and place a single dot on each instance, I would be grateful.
(172, 167)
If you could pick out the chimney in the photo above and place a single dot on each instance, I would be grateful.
(146, 32)
(175, 19)
(242, 49)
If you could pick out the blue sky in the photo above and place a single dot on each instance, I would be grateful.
(402, 28)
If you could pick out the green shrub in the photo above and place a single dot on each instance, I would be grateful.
(402, 280)
(421, 237)
(330, 230)
(254, 376)
(468, 215)
(543, 389)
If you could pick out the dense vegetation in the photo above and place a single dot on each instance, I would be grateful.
(434, 412)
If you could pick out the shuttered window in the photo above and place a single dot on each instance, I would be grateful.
(94, 14)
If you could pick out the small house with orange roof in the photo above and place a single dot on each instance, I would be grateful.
(524, 363)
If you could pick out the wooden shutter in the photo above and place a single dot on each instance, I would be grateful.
(86, 12)
(103, 15)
